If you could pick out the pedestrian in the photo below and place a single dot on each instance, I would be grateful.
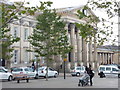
(86, 69)
(90, 73)
(33, 65)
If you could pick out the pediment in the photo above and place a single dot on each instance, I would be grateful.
(72, 11)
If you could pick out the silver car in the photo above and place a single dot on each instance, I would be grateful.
(24, 70)
(77, 71)
(51, 72)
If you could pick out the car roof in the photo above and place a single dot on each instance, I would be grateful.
(107, 66)
(21, 67)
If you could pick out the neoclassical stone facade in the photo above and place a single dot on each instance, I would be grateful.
(83, 52)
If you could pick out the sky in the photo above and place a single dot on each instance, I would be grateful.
(74, 3)
(58, 3)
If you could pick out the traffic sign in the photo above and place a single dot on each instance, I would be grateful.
(65, 59)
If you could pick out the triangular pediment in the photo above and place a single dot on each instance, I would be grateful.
(72, 11)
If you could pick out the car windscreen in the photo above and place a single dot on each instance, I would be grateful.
(1, 70)
(78, 68)
(30, 69)
(26, 69)
(114, 69)
(17, 69)
(41, 68)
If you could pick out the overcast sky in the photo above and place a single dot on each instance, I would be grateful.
(59, 3)
(74, 3)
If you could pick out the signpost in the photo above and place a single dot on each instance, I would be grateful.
(65, 59)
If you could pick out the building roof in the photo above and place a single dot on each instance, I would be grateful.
(109, 48)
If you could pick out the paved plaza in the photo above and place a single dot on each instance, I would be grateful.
(60, 82)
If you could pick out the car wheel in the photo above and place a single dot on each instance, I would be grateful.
(73, 75)
(36, 76)
(10, 78)
(55, 75)
(118, 75)
(77, 74)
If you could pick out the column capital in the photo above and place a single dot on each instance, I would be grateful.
(72, 26)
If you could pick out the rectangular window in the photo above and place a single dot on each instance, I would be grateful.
(15, 56)
(26, 34)
(108, 69)
(114, 69)
(102, 68)
(26, 57)
(15, 32)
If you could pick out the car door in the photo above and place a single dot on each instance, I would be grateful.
(3, 74)
(108, 71)
(82, 70)
(51, 72)
(32, 73)
(29, 72)
(115, 71)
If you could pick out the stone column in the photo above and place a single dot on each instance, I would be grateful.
(72, 36)
(90, 50)
(79, 48)
(84, 52)
(98, 55)
(100, 59)
(111, 58)
(103, 59)
(108, 58)
(95, 53)
(67, 62)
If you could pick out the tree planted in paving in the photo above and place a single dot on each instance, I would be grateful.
(49, 36)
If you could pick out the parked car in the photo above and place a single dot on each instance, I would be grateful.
(78, 70)
(1, 67)
(24, 70)
(5, 75)
(51, 72)
(109, 70)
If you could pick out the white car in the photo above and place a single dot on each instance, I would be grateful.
(51, 72)
(78, 70)
(1, 67)
(5, 75)
(24, 70)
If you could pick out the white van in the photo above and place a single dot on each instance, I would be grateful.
(109, 70)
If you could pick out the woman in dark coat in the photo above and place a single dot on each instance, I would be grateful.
(90, 73)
